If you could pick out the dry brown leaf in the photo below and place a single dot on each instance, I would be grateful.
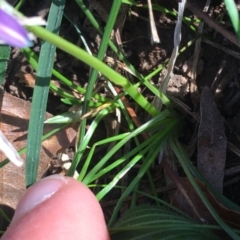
(26, 78)
(231, 217)
(15, 114)
(212, 142)
(29, 80)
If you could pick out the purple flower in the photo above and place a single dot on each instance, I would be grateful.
(12, 32)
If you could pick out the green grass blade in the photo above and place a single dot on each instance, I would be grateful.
(144, 127)
(150, 222)
(221, 198)
(19, 4)
(157, 7)
(95, 24)
(4, 215)
(150, 196)
(234, 16)
(123, 170)
(33, 60)
(144, 81)
(89, 157)
(80, 34)
(102, 50)
(85, 142)
(40, 94)
(137, 153)
(4, 57)
(95, 63)
(151, 156)
(178, 149)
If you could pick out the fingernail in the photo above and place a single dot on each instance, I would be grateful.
(38, 193)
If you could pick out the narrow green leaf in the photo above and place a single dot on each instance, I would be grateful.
(152, 222)
(4, 215)
(40, 94)
(4, 57)
(178, 150)
(95, 63)
(234, 16)
(66, 117)
(156, 147)
(93, 77)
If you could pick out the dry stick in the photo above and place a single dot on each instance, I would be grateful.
(157, 103)
(154, 34)
(148, 20)
(197, 53)
(120, 23)
(232, 171)
(224, 49)
(217, 79)
(233, 148)
(212, 23)
(231, 181)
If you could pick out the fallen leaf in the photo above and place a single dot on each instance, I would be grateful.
(231, 217)
(26, 78)
(15, 115)
(212, 142)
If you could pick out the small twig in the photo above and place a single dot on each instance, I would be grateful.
(197, 51)
(233, 148)
(120, 23)
(212, 23)
(224, 49)
(216, 80)
(177, 39)
(232, 171)
(148, 20)
(231, 181)
(184, 107)
(154, 37)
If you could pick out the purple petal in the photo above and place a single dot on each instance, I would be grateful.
(11, 32)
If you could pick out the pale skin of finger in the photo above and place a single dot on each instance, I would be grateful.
(70, 213)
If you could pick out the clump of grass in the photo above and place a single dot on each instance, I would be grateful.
(163, 124)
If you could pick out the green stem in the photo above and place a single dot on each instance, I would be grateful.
(95, 63)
